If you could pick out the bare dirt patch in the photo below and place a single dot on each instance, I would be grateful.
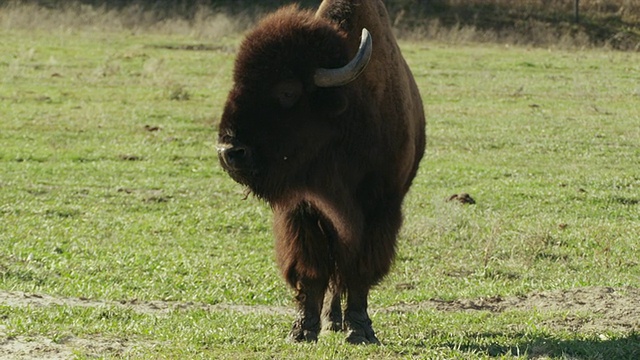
(158, 307)
(39, 347)
(585, 309)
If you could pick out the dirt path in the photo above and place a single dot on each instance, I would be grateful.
(157, 307)
(606, 309)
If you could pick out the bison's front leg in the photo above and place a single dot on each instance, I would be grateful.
(302, 250)
(309, 297)
(375, 255)
(357, 323)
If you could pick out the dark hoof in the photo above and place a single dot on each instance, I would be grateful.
(359, 330)
(359, 337)
(299, 335)
(304, 330)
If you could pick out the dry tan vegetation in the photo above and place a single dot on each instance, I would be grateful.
(626, 10)
(609, 23)
(204, 24)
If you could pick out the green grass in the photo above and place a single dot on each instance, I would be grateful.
(95, 203)
(199, 334)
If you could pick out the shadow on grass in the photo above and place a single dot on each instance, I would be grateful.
(548, 346)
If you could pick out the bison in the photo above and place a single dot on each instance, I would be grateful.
(325, 123)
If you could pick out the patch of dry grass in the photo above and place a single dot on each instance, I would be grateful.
(535, 33)
(204, 24)
(602, 23)
(549, 23)
(626, 10)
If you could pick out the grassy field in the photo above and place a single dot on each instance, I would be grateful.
(120, 236)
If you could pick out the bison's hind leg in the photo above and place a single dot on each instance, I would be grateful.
(332, 307)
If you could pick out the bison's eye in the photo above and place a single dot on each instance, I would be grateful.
(287, 92)
(226, 138)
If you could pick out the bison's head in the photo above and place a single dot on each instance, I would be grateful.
(290, 92)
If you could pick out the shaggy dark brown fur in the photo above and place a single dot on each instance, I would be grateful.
(333, 162)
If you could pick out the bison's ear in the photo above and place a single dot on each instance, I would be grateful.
(287, 92)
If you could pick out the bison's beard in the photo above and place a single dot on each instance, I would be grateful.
(264, 183)
(268, 187)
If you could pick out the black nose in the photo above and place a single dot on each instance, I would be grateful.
(234, 157)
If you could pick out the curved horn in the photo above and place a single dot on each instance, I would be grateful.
(348, 73)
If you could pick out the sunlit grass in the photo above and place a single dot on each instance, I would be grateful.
(110, 190)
